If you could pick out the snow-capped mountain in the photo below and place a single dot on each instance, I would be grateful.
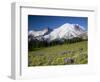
(65, 31)
(39, 35)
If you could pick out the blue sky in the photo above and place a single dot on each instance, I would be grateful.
(37, 22)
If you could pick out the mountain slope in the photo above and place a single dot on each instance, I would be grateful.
(66, 31)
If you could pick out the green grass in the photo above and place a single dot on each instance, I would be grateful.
(54, 55)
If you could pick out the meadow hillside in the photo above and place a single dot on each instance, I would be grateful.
(65, 54)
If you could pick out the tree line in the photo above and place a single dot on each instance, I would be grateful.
(36, 44)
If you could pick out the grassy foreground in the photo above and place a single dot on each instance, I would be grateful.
(65, 54)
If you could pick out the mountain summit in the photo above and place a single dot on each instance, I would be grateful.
(65, 31)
